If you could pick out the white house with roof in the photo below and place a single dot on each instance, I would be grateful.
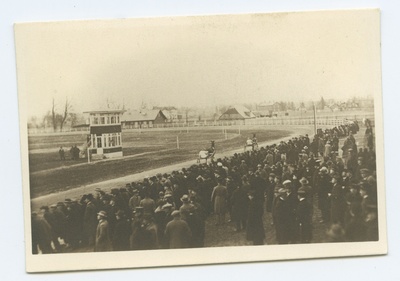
(143, 119)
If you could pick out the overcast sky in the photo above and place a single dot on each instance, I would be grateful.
(196, 61)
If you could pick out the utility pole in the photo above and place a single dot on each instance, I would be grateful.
(315, 119)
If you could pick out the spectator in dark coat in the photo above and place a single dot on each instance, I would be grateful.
(137, 232)
(51, 220)
(291, 204)
(324, 189)
(177, 232)
(41, 235)
(122, 232)
(150, 237)
(282, 220)
(304, 218)
(255, 228)
(199, 227)
(90, 221)
(239, 201)
(371, 223)
(356, 228)
(269, 192)
(338, 202)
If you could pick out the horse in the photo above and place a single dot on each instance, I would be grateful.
(251, 143)
(207, 153)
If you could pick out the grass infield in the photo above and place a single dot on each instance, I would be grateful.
(142, 151)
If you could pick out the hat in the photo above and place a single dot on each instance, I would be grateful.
(185, 198)
(53, 206)
(102, 213)
(167, 205)
(281, 190)
(219, 164)
(303, 180)
(67, 200)
(272, 175)
(44, 208)
(301, 191)
(336, 231)
(97, 189)
(365, 171)
(60, 204)
(336, 176)
(138, 210)
(286, 182)
(175, 213)
(324, 170)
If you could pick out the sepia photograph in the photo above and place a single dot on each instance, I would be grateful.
(208, 139)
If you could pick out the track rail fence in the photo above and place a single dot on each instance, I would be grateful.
(330, 120)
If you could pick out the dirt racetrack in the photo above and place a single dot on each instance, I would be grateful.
(121, 181)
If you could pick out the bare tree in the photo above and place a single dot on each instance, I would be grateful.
(67, 108)
(53, 116)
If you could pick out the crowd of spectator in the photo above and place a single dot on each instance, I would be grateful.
(293, 182)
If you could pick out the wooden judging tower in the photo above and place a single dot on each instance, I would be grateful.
(105, 139)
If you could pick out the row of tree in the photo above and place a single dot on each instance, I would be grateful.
(57, 117)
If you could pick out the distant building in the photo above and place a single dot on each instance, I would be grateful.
(170, 112)
(237, 112)
(268, 109)
(105, 139)
(335, 107)
(143, 119)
